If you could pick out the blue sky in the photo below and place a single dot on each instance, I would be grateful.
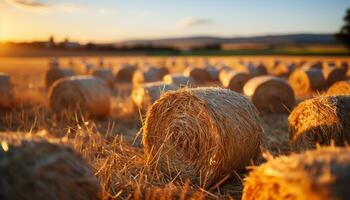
(113, 20)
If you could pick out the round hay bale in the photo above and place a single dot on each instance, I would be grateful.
(152, 74)
(201, 134)
(146, 94)
(54, 74)
(262, 69)
(339, 88)
(248, 68)
(6, 91)
(313, 65)
(41, 170)
(125, 73)
(283, 69)
(307, 81)
(87, 94)
(270, 94)
(334, 74)
(213, 73)
(199, 75)
(234, 80)
(178, 80)
(320, 120)
(54, 63)
(314, 175)
(104, 74)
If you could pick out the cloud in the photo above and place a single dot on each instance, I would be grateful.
(193, 22)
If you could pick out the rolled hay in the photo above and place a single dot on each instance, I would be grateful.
(87, 94)
(339, 88)
(125, 73)
(213, 73)
(105, 74)
(178, 80)
(198, 75)
(283, 69)
(234, 80)
(6, 91)
(54, 74)
(270, 94)
(152, 74)
(146, 94)
(334, 74)
(313, 65)
(41, 170)
(201, 134)
(314, 175)
(248, 68)
(262, 69)
(306, 81)
(320, 120)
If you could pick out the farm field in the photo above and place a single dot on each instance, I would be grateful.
(223, 133)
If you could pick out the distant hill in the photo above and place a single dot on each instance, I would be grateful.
(268, 39)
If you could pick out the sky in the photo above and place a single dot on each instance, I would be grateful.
(117, 20)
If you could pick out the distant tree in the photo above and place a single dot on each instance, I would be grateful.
(344, 34)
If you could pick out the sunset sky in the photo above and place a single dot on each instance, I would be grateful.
(115, 20)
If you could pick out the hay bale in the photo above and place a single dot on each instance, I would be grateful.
(198, 75)
(201, 134)
(152, 74)
(54, 74)
(249, 69)
(54, 63)
(234, 80)
(41, 170)
(6, 91)
(105, 74)
(262, 69)
(313, 65)
(334, 74)
(87, 94)
(270, 94)
(306, 81)
(283, 69)
(213, 73)
(339, 88)
(146, 94)
(320, 120)
(125, 73)
(178, 80)
(315, 175)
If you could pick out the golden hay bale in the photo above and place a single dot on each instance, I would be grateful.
(248, 68)
(213, 73)
(87, 94)
(54, 63)
(152, 74)
(339, 88)
(54, 74)
(125, 73)
(305, 81)
(262, 69)
(104, 74)
(234, 80)
(178, 80)
(313, 65)
(283, 69)
(41, 170)
(334, 74)
(314, 175)
(199, 75)
(270, 93)
(320, 120)
(201, 134)
(146, 94)
(6, 91)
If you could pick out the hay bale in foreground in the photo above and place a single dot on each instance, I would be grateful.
(234, 80)
(104, 74)
(125, 73)
(201, 134)
(146, 94)
(178, 80)
(41, 170)
(152, 74)
(339, 88)
(54, 74)
(198, 75)
(87, 94)
(270, 94)
(306, 81)
(334, 74)
(6, 91)
(320, 120)
(314, 175)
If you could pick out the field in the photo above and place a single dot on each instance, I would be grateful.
(112, 146)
